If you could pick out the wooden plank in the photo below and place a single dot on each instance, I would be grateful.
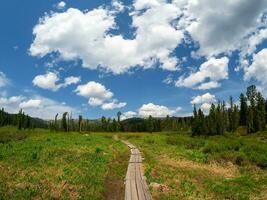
(135, 183)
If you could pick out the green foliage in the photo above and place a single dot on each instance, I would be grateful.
(190, 166)
(252, 114)
(57, 165)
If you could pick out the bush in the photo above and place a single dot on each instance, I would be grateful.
(98, 150)
(34, 155)
(257, 154)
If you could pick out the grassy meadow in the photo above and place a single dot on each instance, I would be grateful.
(46, 165)
(40, 164)
(179, 166)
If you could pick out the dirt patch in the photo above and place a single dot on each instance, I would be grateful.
(227, 171)
(114, 181)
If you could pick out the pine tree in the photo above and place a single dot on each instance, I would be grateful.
(119, 121)
(260, 112)
(104, 123)
(80, 123)
(55, 123)
(243, 110)
(235, 118)
(150, 125)
(211, 120)
(195, 123)
(231, 115)
(64, 124)
(20, 119)
(28, 122)
(250, 124)
(253, 121)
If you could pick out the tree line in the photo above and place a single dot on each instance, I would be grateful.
(250, 113)
(21, 120)
(150, 124)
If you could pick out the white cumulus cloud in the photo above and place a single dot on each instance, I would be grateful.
(204, 101)
(50, 81)
(35, 106)
(222, 26)
(32, 103)
(128, 115)
(205, 98)
(208, 76)
(155, 37)
(258, 68)
(47, 81)
(156, 110)
(113, 105)
(71, 80)
(61, 5)
(99, 95)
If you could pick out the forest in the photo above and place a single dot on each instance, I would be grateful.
(250, 112)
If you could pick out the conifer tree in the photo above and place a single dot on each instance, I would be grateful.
(20, 119)
(243, 110)
(80, 123)
(55, 123)
(250, 124)
(150, 126)
(195, 123)
(64, 122)
(260, 111)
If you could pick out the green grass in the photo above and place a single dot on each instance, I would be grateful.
(40, 164)
(43, 165)
(218, 167)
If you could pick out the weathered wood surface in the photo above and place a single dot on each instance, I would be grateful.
(136, 187)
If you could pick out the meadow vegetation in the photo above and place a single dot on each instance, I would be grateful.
(38, 164)
(179, 166)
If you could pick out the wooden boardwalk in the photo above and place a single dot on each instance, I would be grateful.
(136, 187)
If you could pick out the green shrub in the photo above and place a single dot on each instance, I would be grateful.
(34, 156)
(257, 154)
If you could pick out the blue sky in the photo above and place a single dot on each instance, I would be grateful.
(141, 57)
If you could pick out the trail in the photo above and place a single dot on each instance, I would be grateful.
(136, 187)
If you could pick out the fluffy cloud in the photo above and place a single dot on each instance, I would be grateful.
(204, 101)
(94, 90)
(71, 80)
(48, 108)
(205, 98)
(32, 103)
(3, 80)
(35, 106)
(222, 26)
(113, 105)
(155, 37)
(156, 110)
(128, 115)
(47, 81)
(118, 5)
(258, 68)
(98, 95)
(61, 5)
(10, 101)
(211, 71)
(50, 80)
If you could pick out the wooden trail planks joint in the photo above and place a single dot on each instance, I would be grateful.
(136, 187)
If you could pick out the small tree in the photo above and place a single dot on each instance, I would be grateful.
(20, 119)
(243, 110)
(80, 123)
(64, 122)
(55, 123)
(150, 125)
